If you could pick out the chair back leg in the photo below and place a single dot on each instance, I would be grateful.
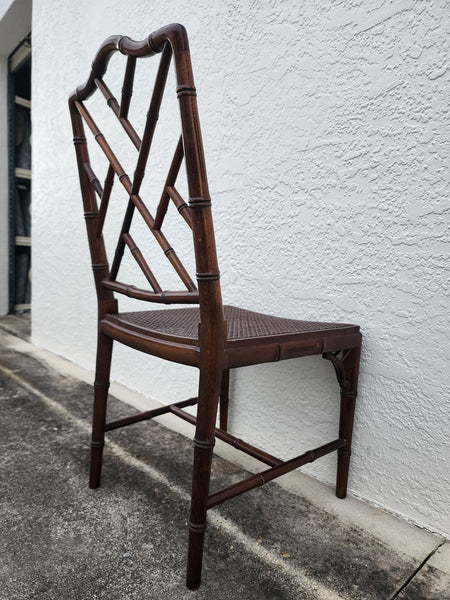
(101, 386)
(224, 400)
(347, 412)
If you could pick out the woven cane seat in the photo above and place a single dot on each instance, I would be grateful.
(242, 324)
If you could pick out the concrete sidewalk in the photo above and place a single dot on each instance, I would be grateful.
(127, 540)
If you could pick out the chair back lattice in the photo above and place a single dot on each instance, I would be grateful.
(170, 42)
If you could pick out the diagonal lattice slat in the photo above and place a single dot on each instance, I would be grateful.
(170, 181)
(107, 189)
(133, 187)
(152, 118)
(127, 88)
(114, 105)
(127, 92)
(135, 199)
(181, 205)
(137, 254)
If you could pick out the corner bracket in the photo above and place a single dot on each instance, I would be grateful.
(337, 359)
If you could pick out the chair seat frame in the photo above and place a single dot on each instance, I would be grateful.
(212, 352)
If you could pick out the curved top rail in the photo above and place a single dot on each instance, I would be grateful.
(175, 34)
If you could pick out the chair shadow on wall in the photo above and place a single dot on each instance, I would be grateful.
(202, 332)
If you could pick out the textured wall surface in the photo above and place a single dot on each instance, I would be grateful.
(326, 135)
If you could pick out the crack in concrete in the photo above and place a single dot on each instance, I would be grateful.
(416, 571)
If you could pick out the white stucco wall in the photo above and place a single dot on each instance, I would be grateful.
(326, 135)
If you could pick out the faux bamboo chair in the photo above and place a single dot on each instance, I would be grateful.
(212, 337)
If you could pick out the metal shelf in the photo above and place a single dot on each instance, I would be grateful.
(22, 240)
(22, 101)
(22, 173)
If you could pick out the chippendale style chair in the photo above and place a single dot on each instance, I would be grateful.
(212, 337)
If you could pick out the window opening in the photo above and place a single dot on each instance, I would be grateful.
(20, 175)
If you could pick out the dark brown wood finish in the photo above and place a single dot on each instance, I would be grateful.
(211, 337)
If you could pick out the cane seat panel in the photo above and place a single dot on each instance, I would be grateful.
(242, 325)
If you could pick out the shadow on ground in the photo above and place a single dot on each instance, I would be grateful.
(128, 539)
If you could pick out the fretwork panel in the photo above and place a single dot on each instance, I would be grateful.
(131, 184)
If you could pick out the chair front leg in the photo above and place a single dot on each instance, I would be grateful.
(204, 440)
(101, 386)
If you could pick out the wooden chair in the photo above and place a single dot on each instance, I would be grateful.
(212, 337)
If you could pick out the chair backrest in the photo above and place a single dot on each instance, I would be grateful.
(170, 41)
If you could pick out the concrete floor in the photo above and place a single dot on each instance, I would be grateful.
(290, 540)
